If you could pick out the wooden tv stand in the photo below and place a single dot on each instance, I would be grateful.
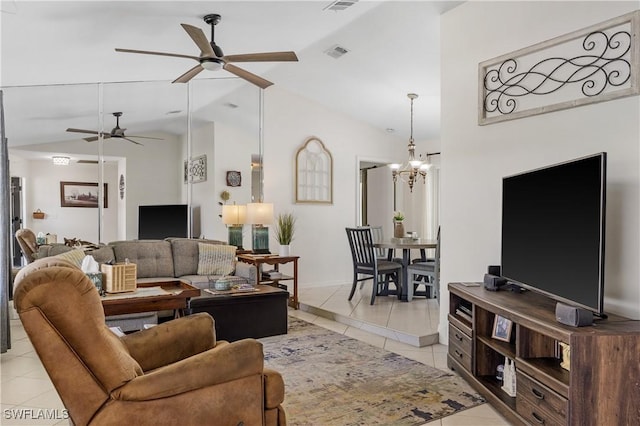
(602, 386)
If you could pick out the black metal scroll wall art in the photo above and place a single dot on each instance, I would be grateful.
(595, 64)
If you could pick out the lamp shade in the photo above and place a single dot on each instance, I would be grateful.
(260, 213)
(234, 214)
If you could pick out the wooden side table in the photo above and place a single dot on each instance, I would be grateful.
(275, 261)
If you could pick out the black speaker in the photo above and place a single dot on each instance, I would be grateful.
(493, 283)
(494, 270)
(572, 316)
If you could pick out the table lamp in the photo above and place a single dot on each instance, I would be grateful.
(234, 216)
(259, 215)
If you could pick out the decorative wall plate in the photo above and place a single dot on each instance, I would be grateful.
(121, 186)
(234, 178)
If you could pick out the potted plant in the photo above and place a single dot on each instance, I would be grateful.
(398, 226)
(285, 228)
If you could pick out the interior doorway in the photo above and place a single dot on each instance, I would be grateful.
(16, 219)
(376, 195)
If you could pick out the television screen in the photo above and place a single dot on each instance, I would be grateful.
(162, 221)
(553, 223)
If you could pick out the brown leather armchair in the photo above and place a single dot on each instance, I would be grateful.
(172, 374)
(27, 242)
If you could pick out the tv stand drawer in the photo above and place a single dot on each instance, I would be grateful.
(535, 394)
(460, 347)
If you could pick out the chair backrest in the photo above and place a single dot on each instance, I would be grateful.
(376, 232)
(62, 314)
(361, 243)
(27, 242)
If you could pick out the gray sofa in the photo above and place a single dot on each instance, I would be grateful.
(156, 260)
(159, 260)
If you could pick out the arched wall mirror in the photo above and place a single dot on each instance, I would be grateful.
(164, 125)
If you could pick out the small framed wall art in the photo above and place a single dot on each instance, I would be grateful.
(195, 171)
(234, 178)
(81, 194)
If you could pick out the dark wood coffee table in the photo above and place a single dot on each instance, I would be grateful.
(175, 297)
(242, 315)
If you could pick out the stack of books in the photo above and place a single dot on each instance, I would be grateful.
(271, 275)
(464, 312)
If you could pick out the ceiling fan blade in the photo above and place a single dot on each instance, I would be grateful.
(144, 137)
(189, 74)
(130, 140)
(147, 52)
(250, 77)
(93, 132)
(197, 35)
(95, 138)
(263, 57)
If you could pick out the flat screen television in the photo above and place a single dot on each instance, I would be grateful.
(553, 231)
(162, 221)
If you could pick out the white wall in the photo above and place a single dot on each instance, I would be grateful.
(227, 148)
(41, 190)
(153, 176)
(475, 158)
(320, 238)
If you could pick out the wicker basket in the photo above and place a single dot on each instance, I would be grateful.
(119, 278)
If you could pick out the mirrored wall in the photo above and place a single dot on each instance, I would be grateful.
(171, 144)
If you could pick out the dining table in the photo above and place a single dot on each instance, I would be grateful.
(406, 245)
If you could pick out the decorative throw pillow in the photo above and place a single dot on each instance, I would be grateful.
(75, 256)
(216, 259)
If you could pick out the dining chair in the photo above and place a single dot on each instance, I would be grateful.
(366, 263)
(425, 273)
(378, 236)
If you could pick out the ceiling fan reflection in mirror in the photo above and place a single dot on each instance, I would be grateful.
(116, 132)
(211, 57)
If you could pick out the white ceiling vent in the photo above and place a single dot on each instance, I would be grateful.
(336, 51)
(339, 5)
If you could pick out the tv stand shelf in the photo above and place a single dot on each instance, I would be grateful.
(601, 387)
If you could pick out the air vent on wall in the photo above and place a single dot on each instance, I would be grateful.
(87, 161)
(340, 5)
(336, 51)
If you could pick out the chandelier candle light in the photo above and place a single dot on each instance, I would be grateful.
(234, 216)
(415, 167)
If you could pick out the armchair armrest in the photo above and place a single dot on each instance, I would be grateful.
(273, 389)
(245, 270)
(171, 341)
(219, 365)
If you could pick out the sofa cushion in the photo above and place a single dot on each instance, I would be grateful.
(104, 254)
(216, 259)
(185, 254)
(152, 257)
(74, 256)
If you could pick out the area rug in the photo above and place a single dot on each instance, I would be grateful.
(332, 379)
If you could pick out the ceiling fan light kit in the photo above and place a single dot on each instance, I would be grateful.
(212, 58)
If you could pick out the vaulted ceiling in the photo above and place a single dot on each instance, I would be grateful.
(393, 49)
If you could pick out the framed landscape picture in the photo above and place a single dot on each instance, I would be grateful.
(81, 194)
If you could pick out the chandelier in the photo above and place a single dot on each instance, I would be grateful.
(414, 168)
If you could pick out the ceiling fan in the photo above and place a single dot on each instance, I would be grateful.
(211, 57)
(116, 132)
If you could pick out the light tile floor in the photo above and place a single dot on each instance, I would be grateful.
(25, 386)
(415, 322)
